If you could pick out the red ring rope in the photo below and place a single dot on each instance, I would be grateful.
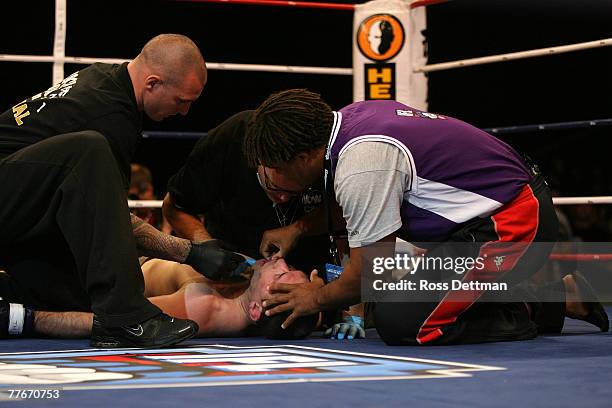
(306, 4)
(283, 3)
(581, 257)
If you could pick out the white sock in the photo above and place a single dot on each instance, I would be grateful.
(16, 319)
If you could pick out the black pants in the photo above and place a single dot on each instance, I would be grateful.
(66, 240)
(457, 322)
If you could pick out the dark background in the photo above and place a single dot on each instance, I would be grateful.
(565, 87)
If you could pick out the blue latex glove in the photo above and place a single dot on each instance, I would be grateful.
(242, 267)
(351, 328)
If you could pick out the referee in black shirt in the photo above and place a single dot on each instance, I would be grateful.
(215, 194)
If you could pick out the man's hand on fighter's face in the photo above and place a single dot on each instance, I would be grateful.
(279, 242)
(300, 298)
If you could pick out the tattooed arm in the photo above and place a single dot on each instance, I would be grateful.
(155, 244)
(209, 258)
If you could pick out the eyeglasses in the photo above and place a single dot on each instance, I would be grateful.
(266, 184)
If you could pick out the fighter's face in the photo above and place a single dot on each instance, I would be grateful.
(163, 99)
(270, 271)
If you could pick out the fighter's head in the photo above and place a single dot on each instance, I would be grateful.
(265, 273)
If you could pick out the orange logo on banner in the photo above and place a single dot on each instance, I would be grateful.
(380, 37)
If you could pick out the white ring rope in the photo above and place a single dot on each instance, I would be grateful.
(279, 68)
(145, 203)
(66, 60)
(325, 70)
(59, 41)
(556, 201)
(515, 55)
(582, 200)
(221, 66)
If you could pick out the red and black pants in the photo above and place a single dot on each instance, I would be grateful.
(506, 239)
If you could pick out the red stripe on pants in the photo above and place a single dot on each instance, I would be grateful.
(516, 225)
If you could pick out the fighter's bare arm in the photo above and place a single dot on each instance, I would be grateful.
(161, 278)
(177, 289)
(196, 303)
(69, 325)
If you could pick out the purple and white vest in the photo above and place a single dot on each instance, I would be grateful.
(459, 172)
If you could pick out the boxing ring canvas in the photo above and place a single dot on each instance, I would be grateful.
(564, 370)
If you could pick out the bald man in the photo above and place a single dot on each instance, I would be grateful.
(67, 241)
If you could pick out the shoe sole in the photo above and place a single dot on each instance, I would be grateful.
(111, 342)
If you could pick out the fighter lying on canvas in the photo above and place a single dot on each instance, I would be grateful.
(219, 309)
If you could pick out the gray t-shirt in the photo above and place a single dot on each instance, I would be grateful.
(371, 182)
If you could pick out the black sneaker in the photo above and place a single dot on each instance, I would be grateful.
(596, 313)
(159, 331)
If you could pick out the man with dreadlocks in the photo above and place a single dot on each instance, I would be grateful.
(215, 194)
(400, 172)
